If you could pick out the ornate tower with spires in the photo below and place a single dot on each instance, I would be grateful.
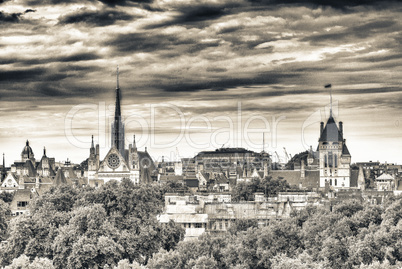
(117, 125)
(334, 155)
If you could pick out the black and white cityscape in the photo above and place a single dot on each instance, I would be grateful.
(200, 134)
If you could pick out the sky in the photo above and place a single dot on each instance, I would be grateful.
(200, 75)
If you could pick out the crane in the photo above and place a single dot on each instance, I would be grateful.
(286, 154)
(277, 156)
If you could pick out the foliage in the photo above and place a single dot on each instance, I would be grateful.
(244, 191)
(7, 197)
(351, 236)
(87, 228)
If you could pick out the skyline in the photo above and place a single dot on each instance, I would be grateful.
(206, 59)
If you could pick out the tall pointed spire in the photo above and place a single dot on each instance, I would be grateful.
(44, 151)
(92, 143)
(134, 145)
(117, 125)
(117, 112)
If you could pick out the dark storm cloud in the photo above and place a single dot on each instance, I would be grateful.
(196, 14)
(124, 2)
(151, 41)
(332, 3)
(78, 57)
(95, 18)
(10, 17)
(22, 75)
(228, 82)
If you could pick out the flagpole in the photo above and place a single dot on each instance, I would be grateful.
(330, 96)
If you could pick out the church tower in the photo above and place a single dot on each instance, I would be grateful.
(334, 155)
(117, 125)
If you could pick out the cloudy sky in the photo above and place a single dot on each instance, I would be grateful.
(200, 74)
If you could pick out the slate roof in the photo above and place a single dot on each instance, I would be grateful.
(345, 150)
(60, 179)
(192, 183)
(30, 168)
(354, 176)
(331, 132)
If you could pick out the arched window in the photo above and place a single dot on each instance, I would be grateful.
(330, 182)
(330, 159)
(336, 182)
(336, 160)
(325, 160)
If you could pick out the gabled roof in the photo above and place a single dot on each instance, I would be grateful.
(146, 160)
(331, 132)
(385, 176)
(60, 179)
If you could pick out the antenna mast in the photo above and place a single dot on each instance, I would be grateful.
(117, 76)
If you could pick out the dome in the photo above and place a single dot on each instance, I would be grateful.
(27, 151)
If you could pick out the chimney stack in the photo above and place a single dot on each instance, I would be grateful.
(341, 127)
(321, 127)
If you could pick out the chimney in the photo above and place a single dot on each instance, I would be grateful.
(341, 127)
(321, 127)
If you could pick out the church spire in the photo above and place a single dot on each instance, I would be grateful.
(117, 125)
(117, 112)
(92, 143)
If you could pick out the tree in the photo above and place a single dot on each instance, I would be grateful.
(7, 197)
(242, 225)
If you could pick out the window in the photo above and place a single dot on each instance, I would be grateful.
(330, 159)
(198, 225)
(22, 203)
(220, 225)
(336, 182)
(336, 160)
(330, 182)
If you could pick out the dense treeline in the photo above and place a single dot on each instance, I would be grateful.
(115, 226)
(349, 236)
(91, 228)
(245, 191)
